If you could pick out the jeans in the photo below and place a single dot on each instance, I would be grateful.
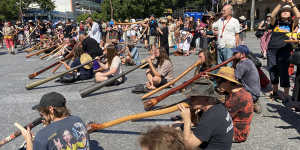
(135, 56)
(224, 54)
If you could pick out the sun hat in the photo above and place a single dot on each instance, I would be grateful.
(226, 73)
(84, 58)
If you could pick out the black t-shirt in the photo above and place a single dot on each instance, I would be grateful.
(84, 73)
(63, 134)
(215, 129)
(20, 28)
(279, 34)
(90, 46)
(68, 30)
(43, 29)
(153, 25)
(164, 37)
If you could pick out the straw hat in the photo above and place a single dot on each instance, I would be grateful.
(169, 17)
(243, 18)
(84, 58)
(226, 73)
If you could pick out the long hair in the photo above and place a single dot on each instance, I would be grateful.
(162, 56)
(78, 50)
(59, 112)
(207, 63)
(111, 53)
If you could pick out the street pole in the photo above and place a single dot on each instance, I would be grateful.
(252, 15)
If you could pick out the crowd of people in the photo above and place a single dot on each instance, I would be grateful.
(221, 103)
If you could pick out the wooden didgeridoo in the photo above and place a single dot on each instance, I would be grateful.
(40, 82)
(18, 133)
(32, 48)
(33, 75)
(38, 52)
(152, 102)
(97, 86)
(173, 81)
(129, 23)
(53, 51)
(292, 41)
(98, 126)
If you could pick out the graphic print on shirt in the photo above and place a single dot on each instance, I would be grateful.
(229, 119)
(282, 28)
(72, 139)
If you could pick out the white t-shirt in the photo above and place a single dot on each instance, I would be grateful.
(95, 32)
(116, 63)
(227, 38)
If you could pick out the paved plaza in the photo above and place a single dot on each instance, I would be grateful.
(277, 128)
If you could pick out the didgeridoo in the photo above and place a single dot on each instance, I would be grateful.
(129, 23)
(292, 41)
(33, 75)
(46, 55)
(98, 126)
(152, 102)
(98, 86)
(38, 52)
(32, 48)
(40, 82)
(173, 81)
(18, 133)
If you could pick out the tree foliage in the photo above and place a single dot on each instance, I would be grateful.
(9, 9)
(124, 9)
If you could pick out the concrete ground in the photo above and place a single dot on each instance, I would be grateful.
(277, 128)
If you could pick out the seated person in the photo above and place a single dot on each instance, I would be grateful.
(112, 67)
(162, 138)
(206, 61)
(160, 73)
(214, 128)
(130, 55)
(83, 73)
(239, 103)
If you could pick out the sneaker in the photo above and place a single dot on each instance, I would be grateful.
(257, 107)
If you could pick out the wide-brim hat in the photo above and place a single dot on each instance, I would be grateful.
(242, 18)
(226, 73)
(202, 87)
(84, 58)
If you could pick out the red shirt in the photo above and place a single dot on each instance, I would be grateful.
(240, 107)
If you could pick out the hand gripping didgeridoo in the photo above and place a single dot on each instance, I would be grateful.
(98, 126)
(152, 102)
(18, 133)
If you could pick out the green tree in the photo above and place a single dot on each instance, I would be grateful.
(9, 9)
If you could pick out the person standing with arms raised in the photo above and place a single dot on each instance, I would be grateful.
(227, 30)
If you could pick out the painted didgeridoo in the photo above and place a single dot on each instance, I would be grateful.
(173, 81)
(40, 82)
(33, 75)
(18, 133)
(98, 126)
(97, 86)
(152, 102)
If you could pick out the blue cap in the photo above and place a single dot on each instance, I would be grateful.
(111, 23)
(241, 49)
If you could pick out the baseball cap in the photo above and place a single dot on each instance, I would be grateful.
(51, 99)
(241, 49)
(202, 87)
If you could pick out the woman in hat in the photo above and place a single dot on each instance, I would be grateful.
(243, 29)
(264, 40)
(112, 67)
(239, 102)
(8, 32)
(161, 72)
(278, 50)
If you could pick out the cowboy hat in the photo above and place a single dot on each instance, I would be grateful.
(84, 58)
(242, 18)
(226, 73)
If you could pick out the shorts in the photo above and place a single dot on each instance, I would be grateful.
(163, 82)
(152, 40)
(20, 37)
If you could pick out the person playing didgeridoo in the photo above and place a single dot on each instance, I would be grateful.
(160, 73)
(206, 61)
(83, 73)
(62, 130)
(214, 128)
(239, 102)
(112, 67)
